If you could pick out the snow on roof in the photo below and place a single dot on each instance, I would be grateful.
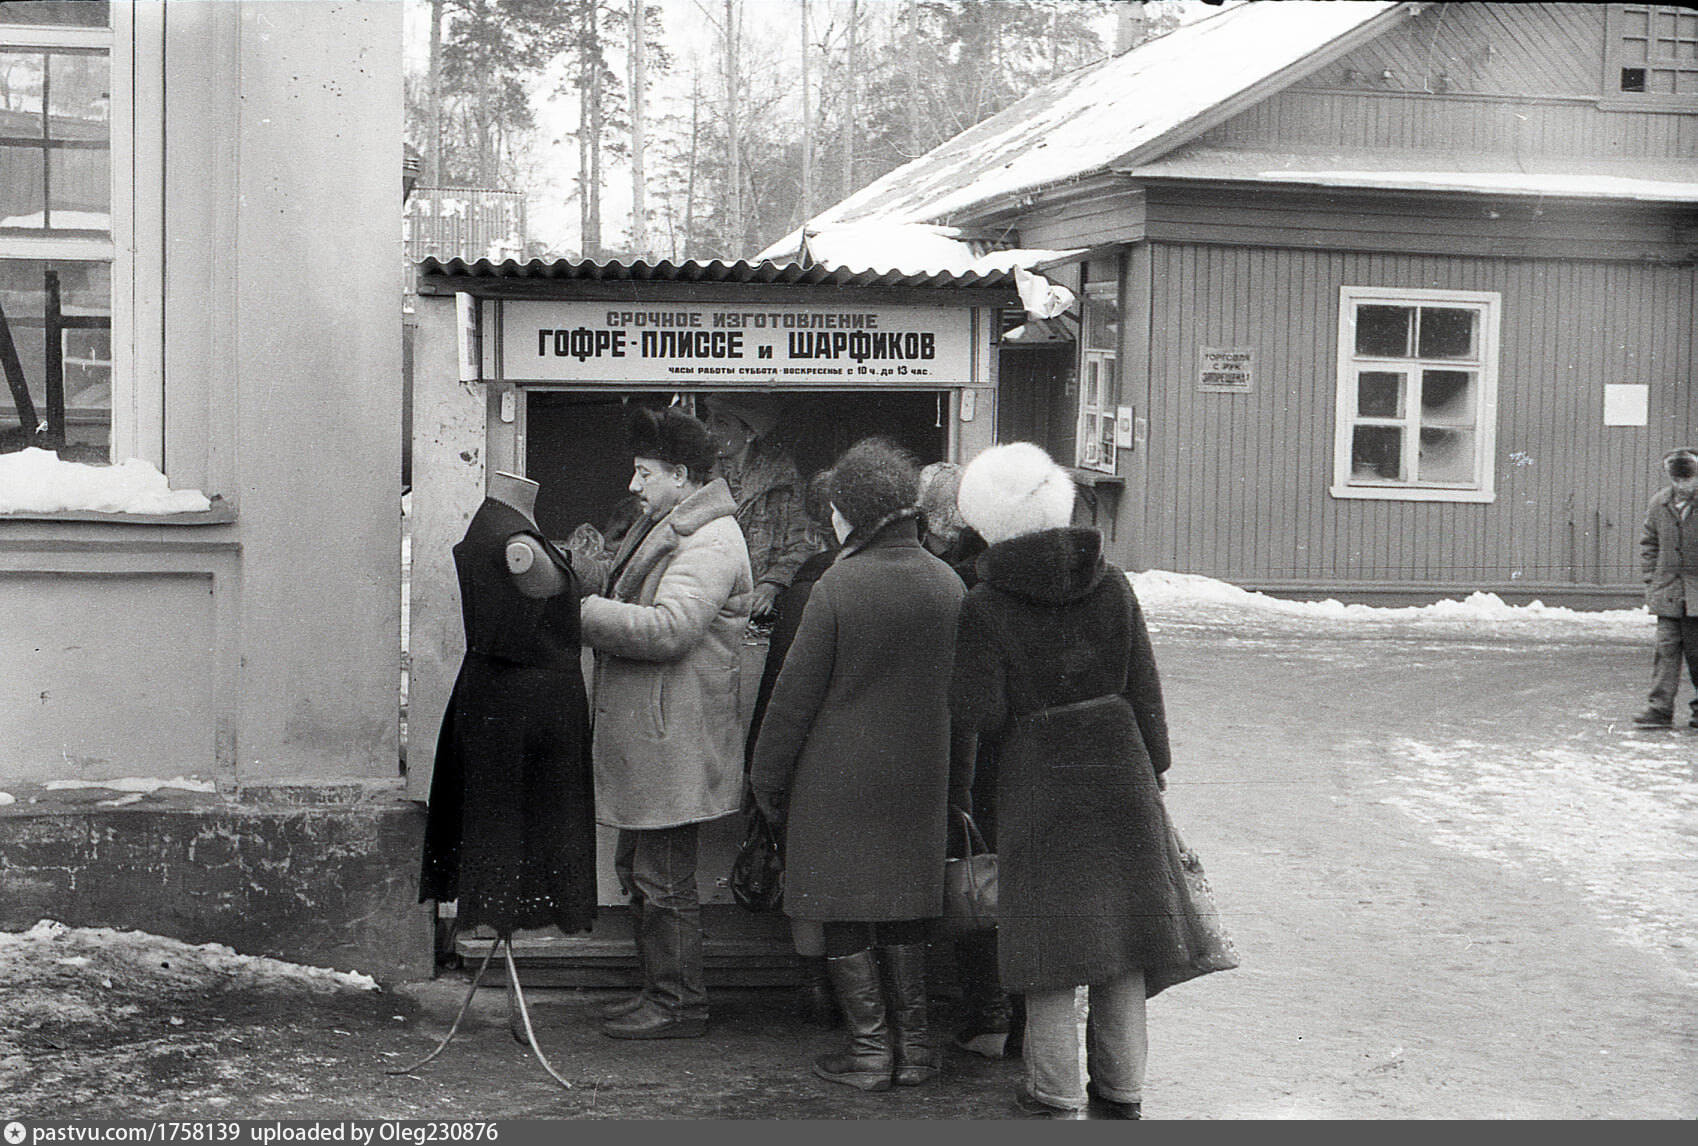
(1085, 121)
(913, 248)
(36, 481)
(1499, 183)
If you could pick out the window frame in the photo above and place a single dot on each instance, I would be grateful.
(1108, 394)
(134, 45)
(1484, 488)
(1615, 59)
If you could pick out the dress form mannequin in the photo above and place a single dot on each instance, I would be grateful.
(533, 573)
(514, 737)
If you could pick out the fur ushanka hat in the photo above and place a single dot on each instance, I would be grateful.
(873, 479)
(1682, 463)
(1015, 489)
(673, 437)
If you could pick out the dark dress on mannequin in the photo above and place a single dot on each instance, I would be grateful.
(511, 831)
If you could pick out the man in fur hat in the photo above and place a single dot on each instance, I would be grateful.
(769, 491)
(1668, 550)
(668, 744)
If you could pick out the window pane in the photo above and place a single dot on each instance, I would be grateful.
(1093, 393)
(1448, 332)
(21, 187)
(1379, 394)
(1376, 453)
(1446, 455)
(1102, 322)
(85, 293)
(1447, 398)
(82, 190)
(1383, 331)
(76, 13)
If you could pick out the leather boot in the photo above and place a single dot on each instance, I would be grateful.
(917, 1059)
(815, 1001)
(867, 1062)
(674, 1000)
(630, 1003)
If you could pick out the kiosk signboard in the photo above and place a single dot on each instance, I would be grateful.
(746, 346)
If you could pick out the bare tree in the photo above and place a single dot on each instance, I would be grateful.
(639, 129)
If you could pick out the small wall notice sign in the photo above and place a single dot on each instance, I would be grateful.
(1627, 405)
(1226, 369)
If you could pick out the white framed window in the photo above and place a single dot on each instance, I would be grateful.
(1650, 57)
(1099, 377)
(1417, 394)
(73, 78)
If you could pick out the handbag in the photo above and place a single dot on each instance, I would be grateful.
(757, 874)
(969, 885)
(1211, 947)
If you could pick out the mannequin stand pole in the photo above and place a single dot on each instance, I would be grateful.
(516, 994)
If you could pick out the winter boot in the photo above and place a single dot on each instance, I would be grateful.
(917, 1059)
(630, 1003)
(867, 1062)
(674, 1000)
(815, 1001)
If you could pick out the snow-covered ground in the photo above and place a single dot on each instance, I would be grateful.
(1578, 795)
(34, 963)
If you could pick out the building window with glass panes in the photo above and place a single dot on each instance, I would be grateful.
(1417, 386)
(1099, 377)
(56, 236)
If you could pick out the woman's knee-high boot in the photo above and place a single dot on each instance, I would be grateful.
(867, 1062)
(917, 1057)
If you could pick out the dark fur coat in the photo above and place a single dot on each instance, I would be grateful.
(1053, 665)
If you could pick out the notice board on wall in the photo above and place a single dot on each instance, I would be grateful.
(1226, 369)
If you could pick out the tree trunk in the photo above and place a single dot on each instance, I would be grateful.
(639, 202)
(852, 100)
(690, 178)
(733, 139)
(805, 202)
(433, 98)
(592, 97)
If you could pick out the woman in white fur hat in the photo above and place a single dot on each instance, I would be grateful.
(1053, 665)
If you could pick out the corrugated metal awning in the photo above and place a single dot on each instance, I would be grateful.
(691, 271)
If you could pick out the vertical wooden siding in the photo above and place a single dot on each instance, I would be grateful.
(1238, 484)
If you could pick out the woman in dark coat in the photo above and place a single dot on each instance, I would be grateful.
(854, 759)
(1053, 666)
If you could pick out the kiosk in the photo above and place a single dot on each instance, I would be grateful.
(528, 368)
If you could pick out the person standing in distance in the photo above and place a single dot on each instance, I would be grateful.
(1668, 553)
(668, 744)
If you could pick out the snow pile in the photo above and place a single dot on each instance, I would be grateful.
(138, 785)
(36, 481)
(1508, 183)
(1177, 590)
(130, 955)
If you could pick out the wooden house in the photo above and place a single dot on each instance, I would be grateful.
(1378, 300)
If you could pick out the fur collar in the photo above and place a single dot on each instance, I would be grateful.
(643, 550)
(886, 530)
(1049, 567)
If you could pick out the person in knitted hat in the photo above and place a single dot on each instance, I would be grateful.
(1054, 670)
(768, 489)
(668, 744)
(854, 760)
(1668, 553)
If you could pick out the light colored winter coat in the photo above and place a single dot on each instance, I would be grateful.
(668, 743)
(1668, 552)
